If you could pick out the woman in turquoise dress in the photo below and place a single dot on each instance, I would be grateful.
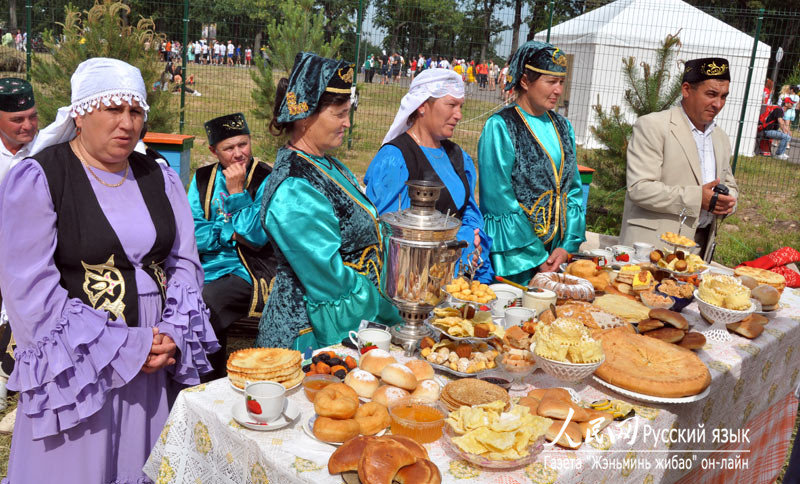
(326, 233)
(530, 189)
(417, 147)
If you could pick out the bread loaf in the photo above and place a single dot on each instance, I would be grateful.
(381, 460)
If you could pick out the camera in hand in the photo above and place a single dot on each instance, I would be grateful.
(719, 189)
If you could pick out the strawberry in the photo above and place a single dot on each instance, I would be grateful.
(367, 347)
(253, 406)
(623, 257)
(484, 308)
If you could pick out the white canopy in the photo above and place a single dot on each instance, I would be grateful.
(598, 41)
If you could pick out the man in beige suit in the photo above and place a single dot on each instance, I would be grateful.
(675, 159)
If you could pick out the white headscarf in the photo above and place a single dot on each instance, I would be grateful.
(96, 80)
(430, 83)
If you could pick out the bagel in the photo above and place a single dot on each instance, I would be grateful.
(372, 417)
(330, 402)
(343, 390)
(335, 430)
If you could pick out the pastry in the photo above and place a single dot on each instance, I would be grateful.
(470, 392)
(374, 360)
(669, 335)
(422, 369)
(363, 382)
(346, 457)
(676, 320)
(412, 445)
(481, 330)
(571, 438)
(747, 328)
(265, 364)
(428, 390)
(650, 366)
(372, 417)
(569, 340)
(673, 238)
(627, 273)
(656, 256)
(387, 394)
(382, 459)
(767, 295)
(335, 430)
(587, 269)
(399, 376)
(649, 325)
(757, 318)
(725, 292)
(693, 341)
(331, 403)
(642, 281)
(564, 285)
(762, 276)
(421, 472)
(628, 310)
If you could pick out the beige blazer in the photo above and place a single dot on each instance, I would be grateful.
(664, 176)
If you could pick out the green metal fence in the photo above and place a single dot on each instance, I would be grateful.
(390, 39)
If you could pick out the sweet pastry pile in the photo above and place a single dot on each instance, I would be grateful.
(464, 357)
(673, 238)
(626, 308)
(340, 416)
(451, 321)
(383, 460)
(670, 287)
(567, 340)
(593, 317)
(265, 364)
(589, 270)
(555, 404)
(470, 392)
(679, 261)
(671, 327)
(651, 366)
(477, 292)
(627, 274)
(384, 380)
(491, 432)
(725, 292)
(565, 286)
(762, 276)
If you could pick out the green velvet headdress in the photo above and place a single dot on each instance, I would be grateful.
(15, 95)
(225, 127)
(537, 57)
(311, 76)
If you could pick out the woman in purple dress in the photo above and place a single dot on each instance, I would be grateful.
(100, 275)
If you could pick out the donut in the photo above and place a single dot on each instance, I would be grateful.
(329, 402)
(343, 390)
(582, 268)
(372, 417)
(335, 430)
(363, 382)
(564, 285)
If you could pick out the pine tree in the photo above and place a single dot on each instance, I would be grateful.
(302, 29)
(104, 32)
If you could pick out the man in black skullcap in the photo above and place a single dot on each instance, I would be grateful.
(676, 158)
(225, 198)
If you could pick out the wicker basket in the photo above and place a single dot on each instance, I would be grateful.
(565, 371)
(721, 315)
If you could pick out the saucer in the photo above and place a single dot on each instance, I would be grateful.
(240, 415)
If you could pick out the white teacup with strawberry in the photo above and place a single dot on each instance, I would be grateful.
(370, 338)
(265, 400)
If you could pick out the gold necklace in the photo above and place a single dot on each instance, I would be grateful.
(89, 167)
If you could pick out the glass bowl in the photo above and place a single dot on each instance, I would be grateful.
(648, 298)
(534, 449)
(498, 377)
(314, 383)
(417, 418)
(516, 373)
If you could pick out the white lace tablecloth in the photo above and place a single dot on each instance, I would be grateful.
(202, 443)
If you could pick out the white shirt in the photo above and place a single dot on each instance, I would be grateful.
(205, 48)
(8, 160)
(708, 162)
(444, 64)
(230, 49)
(198, 48)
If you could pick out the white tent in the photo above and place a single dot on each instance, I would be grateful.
(598, 41)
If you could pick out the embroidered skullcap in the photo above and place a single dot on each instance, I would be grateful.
(225, 127)
(96, 81)
(536, 56)
(311, 76)
(15, 95)
(430, 83)
(698, 70)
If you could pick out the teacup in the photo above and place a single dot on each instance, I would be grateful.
(538, 299)
(504, 300)
(642, 250)
(617, 250)
(264, 400)
(371, 336)
(517, 316)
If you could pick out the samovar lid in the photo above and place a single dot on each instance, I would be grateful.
(422, 215)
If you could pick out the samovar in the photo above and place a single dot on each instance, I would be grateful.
(420, 259)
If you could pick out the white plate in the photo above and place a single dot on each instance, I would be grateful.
(241, 390)
(651, 399)
(308, 427)
(240, 415)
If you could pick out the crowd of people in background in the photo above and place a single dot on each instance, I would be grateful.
(15, 40)
(480, 75)
(776, 120)
(208, 52)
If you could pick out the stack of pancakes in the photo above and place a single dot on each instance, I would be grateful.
(265, 364)
(470, 392)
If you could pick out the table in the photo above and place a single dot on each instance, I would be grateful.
(752, 393)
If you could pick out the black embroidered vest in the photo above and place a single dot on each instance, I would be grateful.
(541, 190)
(89, 255)
(419, 168)
(285, 317)
(260, 263)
